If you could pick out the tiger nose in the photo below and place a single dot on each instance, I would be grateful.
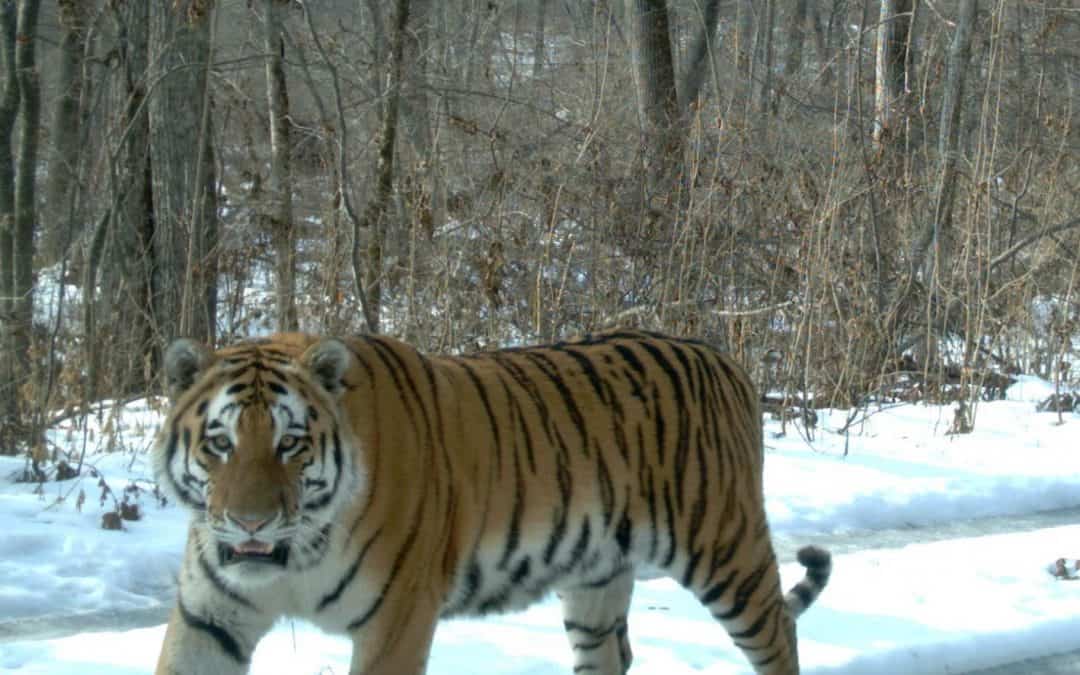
(248, 522)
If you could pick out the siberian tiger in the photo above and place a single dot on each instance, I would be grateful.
(372, 490)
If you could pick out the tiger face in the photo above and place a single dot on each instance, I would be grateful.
(254, 446)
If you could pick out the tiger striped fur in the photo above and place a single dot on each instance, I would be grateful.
(372, 490)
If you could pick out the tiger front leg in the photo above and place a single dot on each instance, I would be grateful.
(197, 643)
(394, 642)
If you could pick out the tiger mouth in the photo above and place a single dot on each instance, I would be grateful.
(253, 551)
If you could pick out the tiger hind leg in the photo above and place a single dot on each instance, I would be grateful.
(758, 615)
(595, 621)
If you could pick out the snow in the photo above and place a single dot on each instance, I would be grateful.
(947, 606)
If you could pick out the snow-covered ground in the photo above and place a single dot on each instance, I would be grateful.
(942, 607)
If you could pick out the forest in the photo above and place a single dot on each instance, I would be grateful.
(863, 201)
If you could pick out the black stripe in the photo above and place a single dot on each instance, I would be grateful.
(218, 583)
(347, 578)
(672, 534)
(682, 442)
(339, 459)
(717, 590)
(624, 531)
(551, 371)
(580, 546)
(746, 589)
(648, 490)
(589, 369)
(521, 572)
(565, 482)
(741, 637)
(659, 426)
(523, 380)
(630, 358)
(394, 571)
(513, 533)
(607, 489)
(723, 554)
(591, 631)
(225, 640)
(493, 423)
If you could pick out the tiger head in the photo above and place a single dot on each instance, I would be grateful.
(256, 446)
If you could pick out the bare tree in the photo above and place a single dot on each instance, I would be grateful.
(890, 65)
(764, 52)
(658, 100)
(369, 272)
(796, 38)
(280, 212)
(539, 37)
(700, 62)
(937, 230)
(182, 159)
(9, 109)
(132, 262)
(67, 126)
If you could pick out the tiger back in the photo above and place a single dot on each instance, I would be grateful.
(373, 490)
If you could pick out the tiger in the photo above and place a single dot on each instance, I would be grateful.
(374, 490)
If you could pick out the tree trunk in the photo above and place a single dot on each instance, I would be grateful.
(764, 91)
(658, 101)
(796, 39)
(29, 124)
(133, 218)
(540, 38)
(66, 128)
(182, 165)
(369, 273)
(890, 67)
(949, 140)
(282, 229)
(700, 60)
(415, 106)
(744, 36)
(9, 108)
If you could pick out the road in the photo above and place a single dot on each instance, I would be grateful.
(51, 627)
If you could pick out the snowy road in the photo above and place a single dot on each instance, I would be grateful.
(848, 542)
(1060, 664)
(118, 621)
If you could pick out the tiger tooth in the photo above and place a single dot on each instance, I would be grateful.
(254, 547)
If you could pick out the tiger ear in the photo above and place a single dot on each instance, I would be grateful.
(185, 359)
(328, 360)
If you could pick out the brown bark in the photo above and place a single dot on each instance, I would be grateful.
(131, 252)
(369, 272)
(796, 38)
(9, 104)
(282, 228)
(890, 66)
(658, 101)
(956, 62)
(182, 164)
(28, 125)
(66, 128)
(700, 62)
(539, 44)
